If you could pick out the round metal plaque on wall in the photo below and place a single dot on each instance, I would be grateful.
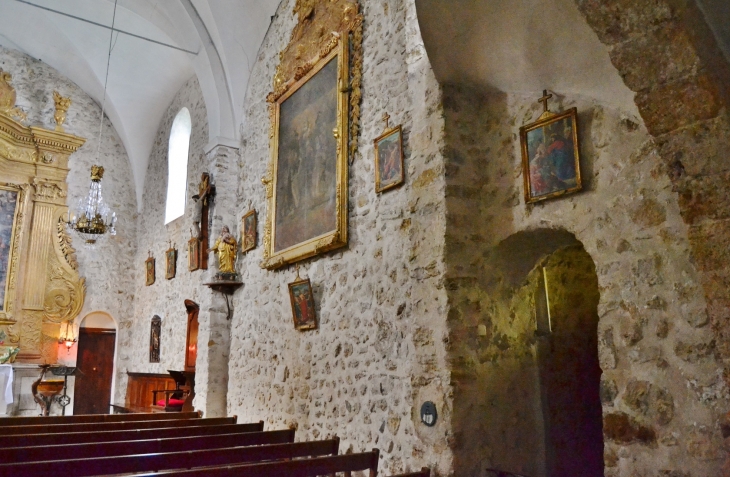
(429, 414)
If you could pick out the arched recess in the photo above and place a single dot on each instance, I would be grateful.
(101, 328)
(526, 394)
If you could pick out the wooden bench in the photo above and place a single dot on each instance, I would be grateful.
(129, 435)
(172, 460)
(146, 446)
(424, 472)
(89, 418)
(114, 426)
(316, 466)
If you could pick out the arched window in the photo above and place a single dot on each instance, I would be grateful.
(177, 165)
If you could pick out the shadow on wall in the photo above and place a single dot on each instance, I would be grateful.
(527, 401)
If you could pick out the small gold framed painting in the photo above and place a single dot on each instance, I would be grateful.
(302, 305)
(150, 270)
(248, 231)
(550, 157)
(389, 159)
(193, 254)
(170, 263)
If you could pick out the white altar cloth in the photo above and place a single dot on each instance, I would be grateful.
(6, 387)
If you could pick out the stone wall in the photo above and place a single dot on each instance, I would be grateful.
(165, 297)
(108, 268)
(378, 351)
(653, 331)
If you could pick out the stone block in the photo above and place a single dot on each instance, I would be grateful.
(661, 55)
(701, 148)
(615, 21)
(709, 245)
(621, 428)
(704, 197)
(673, 105)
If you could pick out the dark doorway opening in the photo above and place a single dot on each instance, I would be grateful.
(95, 363)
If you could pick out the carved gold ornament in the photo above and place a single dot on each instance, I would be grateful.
(7, 98)
(62, 105)
(328, 30)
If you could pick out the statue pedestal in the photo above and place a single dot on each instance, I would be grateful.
(224, 286)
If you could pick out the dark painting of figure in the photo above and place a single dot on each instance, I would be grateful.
(248, 241)
(171, 267)
(306, 174)
(302, 304)
(8, 203)
(150, 274)
(552, 158)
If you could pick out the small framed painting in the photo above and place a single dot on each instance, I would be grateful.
(150, 270)
(550, 158)
(389, 160)
(248, 231)
(170, 263)
(155, 330)
(193, 254)
(302, 305)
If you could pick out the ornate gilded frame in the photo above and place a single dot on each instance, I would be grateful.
(546, 119)
(378, 183)
(327, 29)
(170, 259)
(149, 269)
(312, 323)
(6, 315)
(250, 215)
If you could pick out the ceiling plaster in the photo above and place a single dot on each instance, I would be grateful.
(143, 76)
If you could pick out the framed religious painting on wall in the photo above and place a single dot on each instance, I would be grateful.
(302, 304)
(307, 179)
(149, 270)
(12, 200)
(550, 157)
(248, 231)
(389, 159)
(193, 254)
(155, 330)
(170, 262)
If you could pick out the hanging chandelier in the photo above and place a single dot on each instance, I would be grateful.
(92, 219)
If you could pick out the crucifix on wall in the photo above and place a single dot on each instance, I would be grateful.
(206, 192)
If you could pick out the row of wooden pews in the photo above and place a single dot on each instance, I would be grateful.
(168, 444)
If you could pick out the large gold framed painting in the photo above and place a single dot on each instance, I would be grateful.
(314, 126)
(11, 203)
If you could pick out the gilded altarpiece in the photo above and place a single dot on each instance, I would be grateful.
(42, 287)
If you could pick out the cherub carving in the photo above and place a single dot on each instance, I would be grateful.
(7, 98)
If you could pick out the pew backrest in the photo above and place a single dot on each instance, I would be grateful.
(128, 435)
(171, 460)
(113, 426)
(146, 446)
(90, 418)
(316, 466)
(424, 472)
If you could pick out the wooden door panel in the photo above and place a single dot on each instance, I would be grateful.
(95, 363)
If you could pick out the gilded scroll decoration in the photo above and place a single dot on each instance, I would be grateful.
(67, 249)
(64, 295)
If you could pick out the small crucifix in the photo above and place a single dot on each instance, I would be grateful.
(544, 100)
(297, 267)
(386, 120)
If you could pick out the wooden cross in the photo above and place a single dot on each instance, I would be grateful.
(386, 119)
(206, 191)
(544, 100)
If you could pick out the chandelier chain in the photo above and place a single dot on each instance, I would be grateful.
(106, 79)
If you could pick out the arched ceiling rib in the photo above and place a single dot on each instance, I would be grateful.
(143, 76)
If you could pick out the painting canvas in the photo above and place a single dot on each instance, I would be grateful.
(193, 254)
(8, 208)
(155, 330)
(170, 263)
(149, 271)
(389, 160)
(248, 231)
(550, 159)
(302, 304)
(307, 181)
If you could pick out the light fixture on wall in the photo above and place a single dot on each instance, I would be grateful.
(92, 219)
(68, 339)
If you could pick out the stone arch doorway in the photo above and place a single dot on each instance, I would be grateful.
(96, 362)
(525, 361)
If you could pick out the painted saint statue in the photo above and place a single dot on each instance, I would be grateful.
(225, 247)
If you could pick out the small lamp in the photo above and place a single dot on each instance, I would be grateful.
(68, 339)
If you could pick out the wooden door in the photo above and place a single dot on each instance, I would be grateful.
(191, 343)
(95, 363)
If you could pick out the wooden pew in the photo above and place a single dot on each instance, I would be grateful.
(89, 418)
(114, 426)
(173, 460)
(292, 468)
(145, 446)
(129, 435)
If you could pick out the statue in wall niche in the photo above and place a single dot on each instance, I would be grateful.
(225, 247)
(62, 105)
(7, 98)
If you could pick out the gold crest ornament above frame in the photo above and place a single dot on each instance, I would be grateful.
(550, 154)
(324, 55)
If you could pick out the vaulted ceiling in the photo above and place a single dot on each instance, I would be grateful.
(223, 35)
